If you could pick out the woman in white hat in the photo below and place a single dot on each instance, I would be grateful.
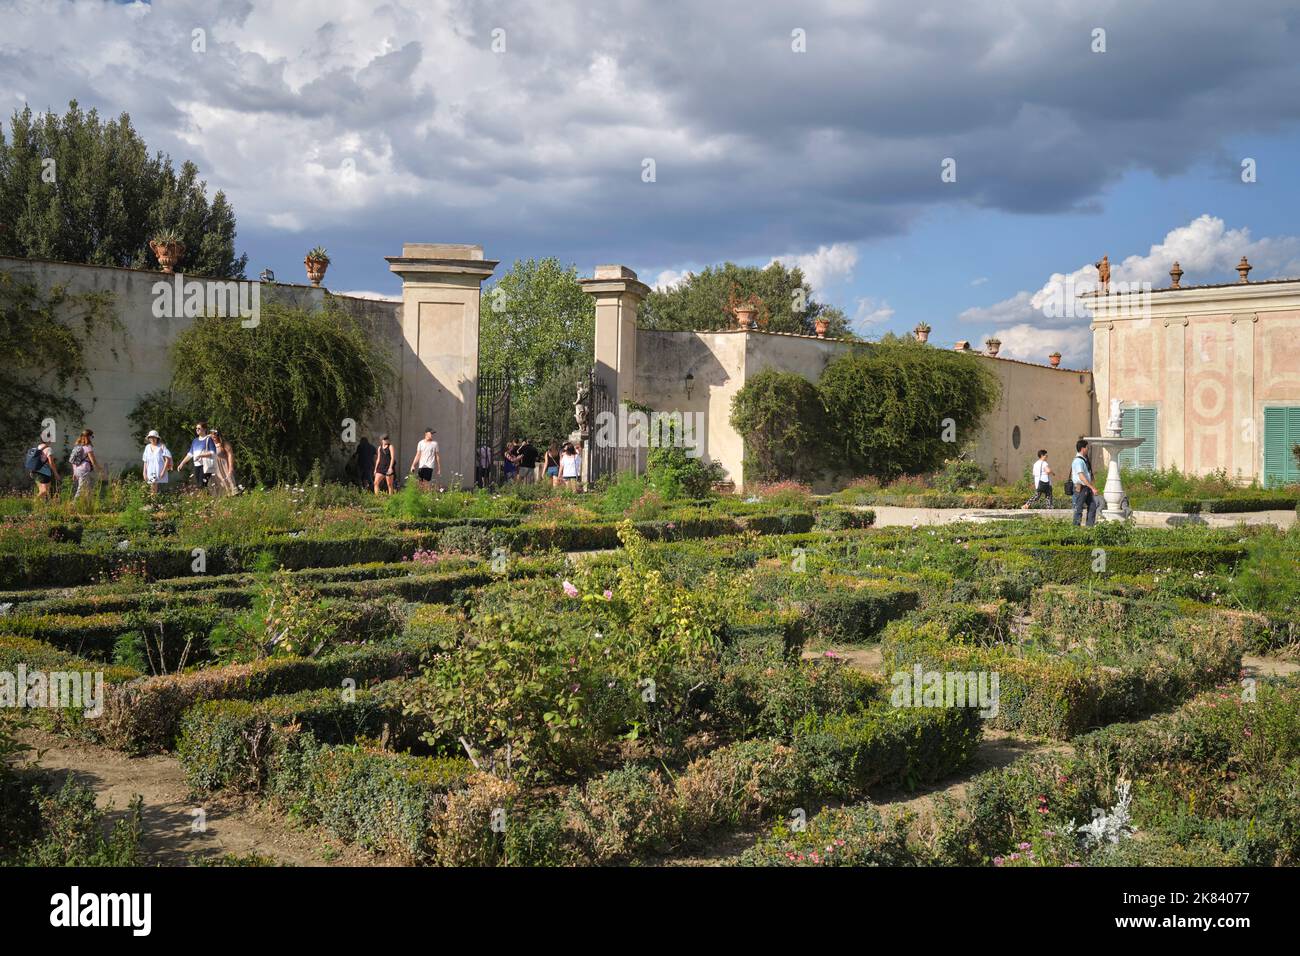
(157, 462)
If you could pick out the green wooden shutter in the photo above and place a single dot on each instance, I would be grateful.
(1139, 422)
(1281, 433)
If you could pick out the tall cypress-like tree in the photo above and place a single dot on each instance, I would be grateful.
(76, 189)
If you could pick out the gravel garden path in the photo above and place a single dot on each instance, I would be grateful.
(169, 839)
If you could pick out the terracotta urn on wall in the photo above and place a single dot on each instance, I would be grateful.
(1055, 359)
(317, 262)
(168, 250)
(922, 332)
(821, 325)
(745, 316)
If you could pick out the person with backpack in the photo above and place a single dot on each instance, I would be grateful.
(1084, 492)
(84, 464)
(157, 462)
(40, 466)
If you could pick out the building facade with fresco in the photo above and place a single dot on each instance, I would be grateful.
(1209, 375)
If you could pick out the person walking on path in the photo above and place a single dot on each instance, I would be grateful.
(223, 472)
(84, 464)
(1085, 492)
(528, 456)
(1042, 480)
(427, 462)
(385, 457)
(203, 451)
(570, 466)
(552, 465)
(157, 462)
(40, 465)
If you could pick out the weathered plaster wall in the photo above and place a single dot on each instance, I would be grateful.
(1050, 407)
(124, 366)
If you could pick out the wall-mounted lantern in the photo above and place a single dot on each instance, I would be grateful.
(690, 384)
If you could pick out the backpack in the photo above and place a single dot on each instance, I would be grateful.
(78, 456)
(34, 460)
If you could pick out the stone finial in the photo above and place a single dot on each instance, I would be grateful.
(1243, 267)
(1055, 359)
(922, 332)
(992, 346)
(1176, 275)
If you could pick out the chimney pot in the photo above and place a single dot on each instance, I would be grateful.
(1243, 267)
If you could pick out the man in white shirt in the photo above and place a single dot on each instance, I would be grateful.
(427, 462)
(1042, 480)
(1085, 492)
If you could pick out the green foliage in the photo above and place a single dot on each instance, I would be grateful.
(44, 335)
(845, 836)
(782, 420)
(960, 474)
(889, 402)
(538, 326)
(108, 197)
(675, 474)
(171, 414)
(279, 391)
(699, 302)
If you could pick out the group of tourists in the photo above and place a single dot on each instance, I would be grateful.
(560, 465)
(1079, 486)
(375, 466)
(213, 468)
(213, 464)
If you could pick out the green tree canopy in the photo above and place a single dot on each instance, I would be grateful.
(781, 418)
(281, 390)
(537, 325)
(699, 302)
(76, 189)
(901, 407)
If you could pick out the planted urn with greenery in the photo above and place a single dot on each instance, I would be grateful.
(317, 262)
(168, 249)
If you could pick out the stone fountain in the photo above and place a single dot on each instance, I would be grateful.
(1114, 506)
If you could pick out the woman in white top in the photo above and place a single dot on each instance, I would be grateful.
(570, 466)
(157, 462)
(1042, 480)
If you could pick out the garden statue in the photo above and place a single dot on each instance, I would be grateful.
(1115, 426)
(580, 408)
(1103, 274)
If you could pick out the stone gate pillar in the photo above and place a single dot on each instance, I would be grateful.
(618, 295)
(439, 374)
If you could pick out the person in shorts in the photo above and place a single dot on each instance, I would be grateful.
(427, 462)
(528, 456)
(385, 472)
(45, 474)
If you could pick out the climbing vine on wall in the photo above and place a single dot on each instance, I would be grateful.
(44, 337)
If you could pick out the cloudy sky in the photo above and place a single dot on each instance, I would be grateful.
(814, 132)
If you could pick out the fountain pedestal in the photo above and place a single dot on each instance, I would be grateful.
(1115, 507)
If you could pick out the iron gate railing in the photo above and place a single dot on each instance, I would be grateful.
(491, 427)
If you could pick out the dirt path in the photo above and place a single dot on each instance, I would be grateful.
(1268, 667)
(233, 826)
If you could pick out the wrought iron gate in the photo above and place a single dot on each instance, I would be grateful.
(602, 434)
(491, 427)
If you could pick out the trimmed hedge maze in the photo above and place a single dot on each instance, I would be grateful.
(446, 693)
